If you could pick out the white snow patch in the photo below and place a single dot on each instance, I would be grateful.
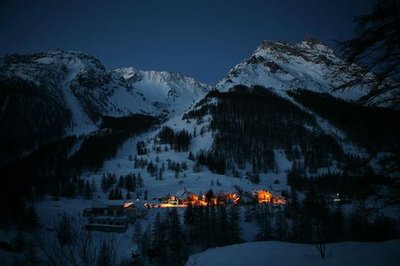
(288, 254)
(81, 123)
(45, 60)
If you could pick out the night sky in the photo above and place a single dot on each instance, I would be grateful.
(202, 39)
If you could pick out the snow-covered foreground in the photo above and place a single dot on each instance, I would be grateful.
(286, 254)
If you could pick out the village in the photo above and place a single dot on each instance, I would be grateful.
(116, 215)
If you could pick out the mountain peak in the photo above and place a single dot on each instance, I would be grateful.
(307, 46)
(311, 41)
(284, 66)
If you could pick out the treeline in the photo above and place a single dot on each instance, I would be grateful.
(104, 144)
(374, 128)
(54, 168)
(202, 228)
(73, 187)
(215, 160)
(179, 141)
(349, 186)
(315, 220)
(30, 118)
(132, 123)
(130, 182)
(250, 123)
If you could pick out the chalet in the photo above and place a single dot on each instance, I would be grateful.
(111, 216)
(264, 196)
(183, 195)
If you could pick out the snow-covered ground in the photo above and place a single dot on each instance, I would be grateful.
(273, 253)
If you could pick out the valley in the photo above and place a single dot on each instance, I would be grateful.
(268, 153)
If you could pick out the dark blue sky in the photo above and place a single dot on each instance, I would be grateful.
(199, 38)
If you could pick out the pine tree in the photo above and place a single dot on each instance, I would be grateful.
(209, 196)
(189, 220)
(175, 239)
(118, 194)
(137, 234)
(87, 192)
(139, 180)
(93, 186)
(281, 226)
(222, 224)
(145, 243)
(104, 186)
(357, 225)
(159, 239)
(265, 223)
(212, 226)
(134, 182)
(191, 156)
(234, 225)
(292, 206)
(376, 48)
(128, 183)
(120, 182)
(248, 216)
(160, 175)
(111, 195)
(128, 195)
(337, 225)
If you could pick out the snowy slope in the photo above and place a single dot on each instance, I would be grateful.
(81, 123)
(153, 92)
(309, 65)
(283, 66)
(288, 254)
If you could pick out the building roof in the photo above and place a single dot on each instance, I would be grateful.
(182, 194)
(116, 202)
(98, 204)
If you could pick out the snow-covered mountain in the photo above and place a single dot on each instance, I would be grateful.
(301, 76)
(48, 95)
(283, 66)
(152, 92)
(73, 81)
(59, 93)
(82, 85)
(271, 124)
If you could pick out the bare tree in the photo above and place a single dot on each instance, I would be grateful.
(73, 245)
(107, 255)
(376, 48)
(87, 248)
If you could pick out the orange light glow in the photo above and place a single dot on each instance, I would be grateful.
(128, 204)
(264, 196)
(222, 198)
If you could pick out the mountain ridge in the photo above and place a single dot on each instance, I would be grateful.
(308, 65)
(70, 92)
(50, 95)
